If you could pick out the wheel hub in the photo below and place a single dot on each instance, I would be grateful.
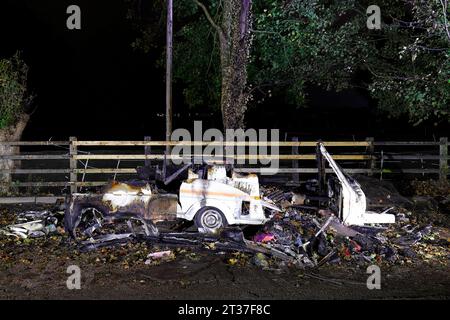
(212, 219)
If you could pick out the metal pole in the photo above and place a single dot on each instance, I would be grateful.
(443, 159)
(169, 59)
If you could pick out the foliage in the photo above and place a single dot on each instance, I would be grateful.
(307, 42)
(196, 64)
(147, 18)
(411, 70)
(13, 79)
(405, 66)
(197, 54)
(327, 43)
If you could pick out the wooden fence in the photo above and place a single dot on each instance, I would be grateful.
(74, 164)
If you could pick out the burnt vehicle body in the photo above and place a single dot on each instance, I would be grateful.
(214, 198)
(339, 193)
(211, 197)
(120, 202)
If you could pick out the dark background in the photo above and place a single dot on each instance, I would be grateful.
(90, 83)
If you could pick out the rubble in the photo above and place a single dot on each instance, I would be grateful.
(315, 239)
(32, 224)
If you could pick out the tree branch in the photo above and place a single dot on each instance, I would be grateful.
(444, 4)
(208, 16)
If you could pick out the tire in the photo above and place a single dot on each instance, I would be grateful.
(210, 220)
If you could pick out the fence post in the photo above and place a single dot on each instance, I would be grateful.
(73, 164)
(296, 175)
(147, 151)
(443, 159)
(371, 151)
(5, 164)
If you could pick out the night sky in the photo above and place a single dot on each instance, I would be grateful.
(90, 83)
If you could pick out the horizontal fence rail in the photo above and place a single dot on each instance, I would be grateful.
(224, 143)
(73, 164)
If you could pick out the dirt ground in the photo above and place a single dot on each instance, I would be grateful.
(43, 276)
(37, 269)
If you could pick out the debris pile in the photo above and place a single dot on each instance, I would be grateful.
(311, 240)
(33, 224)
(299, 236)
(292, 238)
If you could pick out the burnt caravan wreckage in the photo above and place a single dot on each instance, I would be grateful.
(213, 197)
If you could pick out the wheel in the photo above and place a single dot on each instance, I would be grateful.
(89, 223)
(210, 220)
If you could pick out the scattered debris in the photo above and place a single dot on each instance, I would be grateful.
(157, 257)
(32, 224)
(263, 237)
(260, 260)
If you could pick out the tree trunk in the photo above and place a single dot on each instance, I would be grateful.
(235, 43)
(12, 133)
